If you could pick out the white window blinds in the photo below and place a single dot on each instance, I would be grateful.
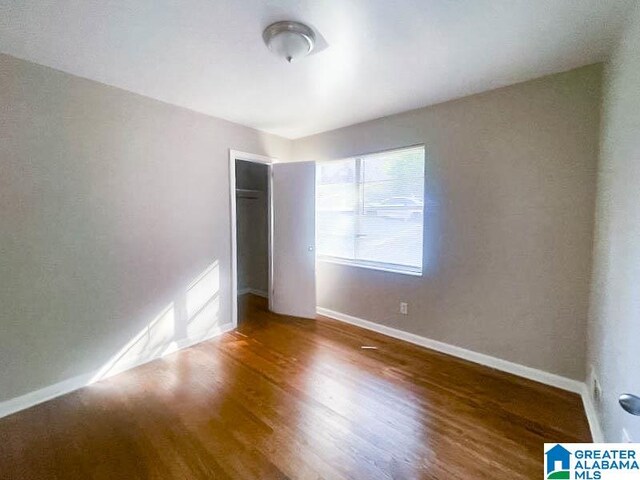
(370, 210)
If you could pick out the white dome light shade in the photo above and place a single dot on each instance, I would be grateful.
(289, 40)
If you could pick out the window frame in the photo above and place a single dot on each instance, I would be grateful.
(373, 265)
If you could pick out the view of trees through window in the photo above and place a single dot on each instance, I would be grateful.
(370, 209)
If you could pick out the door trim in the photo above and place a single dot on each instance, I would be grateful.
(248, 157)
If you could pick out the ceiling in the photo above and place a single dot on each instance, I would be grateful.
(381, 56)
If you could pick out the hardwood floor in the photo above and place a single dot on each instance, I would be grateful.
(288, 398)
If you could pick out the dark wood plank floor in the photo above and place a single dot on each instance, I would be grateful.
(289, 398)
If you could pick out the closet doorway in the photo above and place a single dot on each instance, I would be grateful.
(272, 235)
(251, 232)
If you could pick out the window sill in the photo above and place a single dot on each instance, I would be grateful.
(369, 266)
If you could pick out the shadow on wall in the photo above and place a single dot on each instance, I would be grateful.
(432, 218)
(192, 317)
(432, 229)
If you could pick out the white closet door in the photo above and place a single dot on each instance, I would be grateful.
(294, 237)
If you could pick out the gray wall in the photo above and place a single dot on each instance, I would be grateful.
(252, 226)
(111, 205)
(508, 245)
(614, 328)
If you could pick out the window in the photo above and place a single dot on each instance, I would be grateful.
(369, 210)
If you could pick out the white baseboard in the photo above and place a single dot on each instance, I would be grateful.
(42, 395)
(50, 392)
(253, 291)
(482, 359)
(69, 385)
(592, 416)
(487, 360)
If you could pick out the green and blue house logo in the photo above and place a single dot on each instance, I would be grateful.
(558, 460)
(592, 461)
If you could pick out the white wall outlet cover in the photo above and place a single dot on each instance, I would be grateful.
(404, 308)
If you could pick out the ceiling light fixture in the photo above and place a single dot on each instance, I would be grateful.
(289, 40)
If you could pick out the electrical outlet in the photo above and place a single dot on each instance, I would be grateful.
(404, 308)
(626, 438)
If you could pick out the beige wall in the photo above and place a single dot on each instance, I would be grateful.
(508, 247)
(111, 204)
(614, 329)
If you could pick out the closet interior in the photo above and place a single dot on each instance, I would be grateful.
(252, 228)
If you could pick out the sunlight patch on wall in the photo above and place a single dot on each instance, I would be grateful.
(150, 343)
(193, 315)
(203, 289)
(205, 321)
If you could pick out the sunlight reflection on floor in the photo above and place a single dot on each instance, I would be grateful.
(368, 407)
